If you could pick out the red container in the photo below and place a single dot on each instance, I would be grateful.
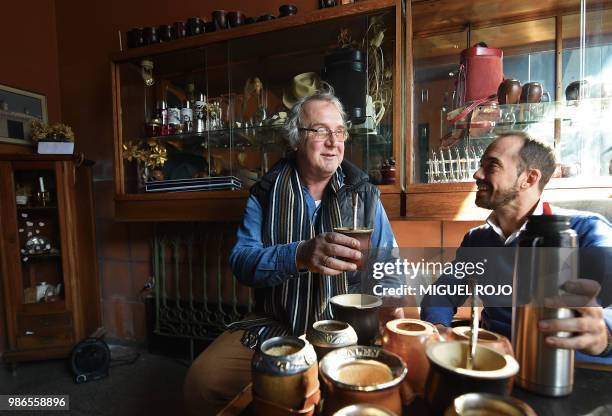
(480, 73)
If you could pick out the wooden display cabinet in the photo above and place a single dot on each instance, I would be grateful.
(48, 263)
(246, 142)
(551, 42)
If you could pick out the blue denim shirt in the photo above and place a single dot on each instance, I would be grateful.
(593, 231)
(257, 266)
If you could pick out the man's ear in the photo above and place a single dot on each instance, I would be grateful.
(532, 178)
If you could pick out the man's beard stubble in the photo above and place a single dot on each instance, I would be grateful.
(493, 202)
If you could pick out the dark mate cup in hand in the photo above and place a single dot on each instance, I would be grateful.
(363, 236)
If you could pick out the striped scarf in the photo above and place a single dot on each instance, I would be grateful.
(291, 307)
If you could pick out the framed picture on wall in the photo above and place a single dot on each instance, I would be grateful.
(17, 110)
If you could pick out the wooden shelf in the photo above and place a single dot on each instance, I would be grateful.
(22, 208)
(211, 206)
(300, 19)
(428, 19)
(214, 206)
(57, 255)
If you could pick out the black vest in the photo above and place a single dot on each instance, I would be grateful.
(355, 180)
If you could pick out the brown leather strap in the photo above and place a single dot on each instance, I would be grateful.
(467, 110)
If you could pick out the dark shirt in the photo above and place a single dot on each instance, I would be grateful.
(593, 230)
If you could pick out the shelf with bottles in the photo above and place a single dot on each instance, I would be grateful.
(226, 137)
(35, 190)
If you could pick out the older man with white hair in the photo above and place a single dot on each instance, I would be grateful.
(286, 248)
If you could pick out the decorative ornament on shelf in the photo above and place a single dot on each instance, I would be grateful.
(345, 39)
(152, 154)
(132, 152)
(146, 70)
(57, 132)
(54, 139)
(150, 158)
(380, 75)
(157, 154)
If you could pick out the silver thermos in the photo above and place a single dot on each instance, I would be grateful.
(547, 257)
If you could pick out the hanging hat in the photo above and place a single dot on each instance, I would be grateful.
(303, 85)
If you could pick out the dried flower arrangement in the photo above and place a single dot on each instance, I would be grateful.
(57, 132)
(153, 154)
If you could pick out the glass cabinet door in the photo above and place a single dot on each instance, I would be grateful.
(562, 102)
(211, 117)
(36, 197)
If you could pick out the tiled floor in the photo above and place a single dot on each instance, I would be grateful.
(150, 386)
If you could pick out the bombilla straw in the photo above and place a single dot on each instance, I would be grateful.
(355, 202)
(473, 342)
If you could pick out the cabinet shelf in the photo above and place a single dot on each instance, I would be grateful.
(300, 19)
(197, 206)
(35, 208)
(44, 256)
(221, 138)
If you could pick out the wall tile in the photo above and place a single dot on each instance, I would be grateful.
(121, 318)
(140, 322)
(417, 233)
(112, 240)
(453, 231)
(141, 274)
(140, 237)
(107, 314)
(117, 280)
(104, 201)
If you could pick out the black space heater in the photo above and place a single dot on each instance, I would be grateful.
(90, 360)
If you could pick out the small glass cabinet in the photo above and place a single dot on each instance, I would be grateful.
(48, 268)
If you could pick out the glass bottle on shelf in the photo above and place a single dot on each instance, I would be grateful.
(200, 113)
(187, 110)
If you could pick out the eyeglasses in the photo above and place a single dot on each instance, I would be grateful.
(323, 133)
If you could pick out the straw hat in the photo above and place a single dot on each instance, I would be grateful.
(303, 85)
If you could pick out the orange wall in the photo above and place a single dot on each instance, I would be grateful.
(28, 50)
